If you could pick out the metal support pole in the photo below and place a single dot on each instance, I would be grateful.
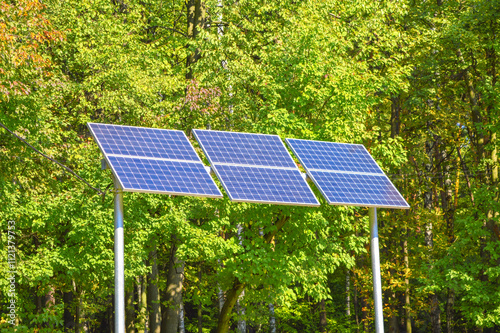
(119, 263)
(377, 283)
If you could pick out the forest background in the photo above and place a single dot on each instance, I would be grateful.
(413, 81)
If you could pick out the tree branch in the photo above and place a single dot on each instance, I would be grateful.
(464, 167)
(98, 190)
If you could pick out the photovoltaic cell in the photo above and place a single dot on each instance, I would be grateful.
(244, 148)
(255, 168)
(346, 174)
(265, 185)
(153, 160)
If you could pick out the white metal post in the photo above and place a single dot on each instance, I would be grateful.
(377, 283)
(119, 263)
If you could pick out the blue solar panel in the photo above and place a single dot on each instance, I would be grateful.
(333, 156)
(163, 176)
(265, 185)
(358, 189)
(244, 148)
(143, 142)
(153, 160)
(346, 174)
(255, 168)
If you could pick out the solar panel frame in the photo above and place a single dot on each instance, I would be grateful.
(310, 173)
(221, 177)
(194, 159)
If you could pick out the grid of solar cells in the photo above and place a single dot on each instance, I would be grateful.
(266, 185)
(346, 174)
(154, 160)
(358, 189)
(255, 168)
(322, 155)
(143, 141)
(244, 148)
(163, 176)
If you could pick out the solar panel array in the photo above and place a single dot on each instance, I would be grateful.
(153, 160)
(251, 167)
(255, 168)
(346, 174)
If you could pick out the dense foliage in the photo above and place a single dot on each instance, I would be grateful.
(415, 82)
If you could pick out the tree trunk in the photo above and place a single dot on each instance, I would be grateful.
(225, 314)
(449, 311)
(141, 303)
(129, 311)
(494, 160)
(395, 115)
(50, 300)
(448, 214)
(356, 305)
(242, 324)
(348, 294)
(272, 319)
(475, 111)
(39, 306)
(364, 314)
(491, 55)
(322, 316)
(393, 324)
(68, 316)
(110, 316)
(196, 21)
(80, 315)
(220, 292)
(182, 327)
(154, 295)
(220, 297)
(407, 283)
(175, 277)
(393, 320)
(435, 313)
(446, 190)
